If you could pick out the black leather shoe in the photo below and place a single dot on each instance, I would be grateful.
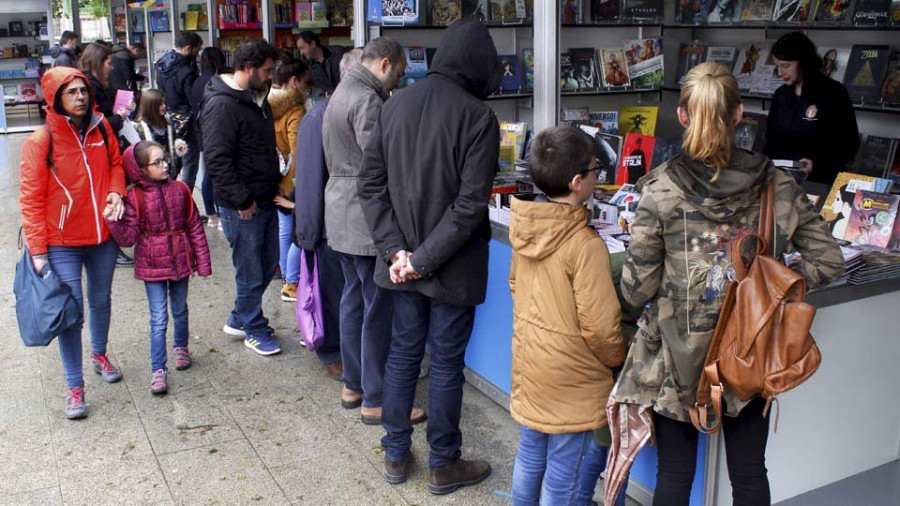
(461, 473)
(397, 472)
(124, 260)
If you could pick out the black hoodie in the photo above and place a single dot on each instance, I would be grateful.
(429, 166)
(175, 76)
(239, 144)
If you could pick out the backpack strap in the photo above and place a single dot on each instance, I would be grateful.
(50, 150)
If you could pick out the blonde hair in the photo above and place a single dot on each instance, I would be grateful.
(710, 97)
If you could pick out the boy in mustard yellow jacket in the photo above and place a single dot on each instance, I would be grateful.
(566, 324)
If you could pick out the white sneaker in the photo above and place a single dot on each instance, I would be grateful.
(231, 331)
(213, 222)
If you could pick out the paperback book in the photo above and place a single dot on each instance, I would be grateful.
(834, 61)
(723, 55)
(403, 12)
(511, 80)
(791, 11)
(757, 10)
(638, 119)
(512, 135)
(690, 12)
(649, 10)
(871, 12)
(637, 158)
(724, 11)
(865, 72)
(689, 56)
(613, 67)
(872, 218)
(832, 11)
(567, 80)
(606, 121)
(750, 134)
(610, 154)
(839, 201)
(645, 62)
(750, 61)
(585, 68)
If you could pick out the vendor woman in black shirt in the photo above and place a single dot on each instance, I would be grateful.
(811, 119)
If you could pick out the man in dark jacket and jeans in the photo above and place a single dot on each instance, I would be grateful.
(424, 191)
(324, 61)
(176, 72)
(239, 149)
(65, 54)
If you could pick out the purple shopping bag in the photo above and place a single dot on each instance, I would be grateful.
(309, 304)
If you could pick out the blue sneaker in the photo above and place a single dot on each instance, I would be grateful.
(264, 344)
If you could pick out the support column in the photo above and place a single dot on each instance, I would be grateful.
(546, 64)
(359, 22)
(267, 16)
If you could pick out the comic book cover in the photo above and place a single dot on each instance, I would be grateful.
(567, 80)
(865, 71)
(511, 81)
(606, 121)
(871, 221)
(834, 61)
(690, 12)
(475, 8)
(838, 202)
(399, 11)
(642, 9)
(832, 11)
(637, 158)
(604, 10)
(689, 56)
(416, 65)
(585, 68)
(750, 134)
(613, 66)
(724, 11)
(890, 90)
(638, 119)
(645, 62)
(512, 135)
(444, 12)
(570, 11)
(870, 12)
(723, 55)
(610, 154)
(528, 67)
(757, 10)
(791, 11)
(664, 150)
(751, 60)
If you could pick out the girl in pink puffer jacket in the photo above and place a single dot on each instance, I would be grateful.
(161, 221)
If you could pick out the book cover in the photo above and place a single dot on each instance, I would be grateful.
(791, 11)
(416, 65)
(834, 61)
(444, 12)
(724, 11)
(303, 11)
(120, 23)
(570, 11)
(642, 9)
(507, 10)
(638, 119)
(567, 81)
(750, 134)
(475, 8)
(690, 12)
(610, 154)
(575, 114)
(873, 156)
(373, 14)
(766, 80)
(872, 219)
(605, 121)
(137, 21)
(399, 11)
(528, 67)
(320, 11)
(191, 20)
(28, 92)
(513, 134)
(865, 71)
(511, 81)
(838, 202)
(750, 61)
(689, 56)
(757, 10)
(585, 68)
(637, 158)
(895, 12)
(645, 62)
(123, 99)
(890, 90)
(604, 10)
(664, 150)
(723, 55)
(832, 11)
(159, 21)
(870, 12)
(613, 67)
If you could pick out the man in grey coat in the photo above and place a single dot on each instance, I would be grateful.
(366, 309)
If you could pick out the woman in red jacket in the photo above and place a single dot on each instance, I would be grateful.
(72, 180)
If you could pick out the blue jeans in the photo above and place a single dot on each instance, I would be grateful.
(366, 313)
(254, 254)
(331, 285)
(190, 163)
(548, 468)
(593, 465)
(288, 252)
(207, 191)
(158, 294)
(99, 263)
(446, 328)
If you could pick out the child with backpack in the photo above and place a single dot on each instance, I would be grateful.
(566, 322)
(163, 224)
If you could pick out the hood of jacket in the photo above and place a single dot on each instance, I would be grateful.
(538, 227)
(283, 101)
(171, 63)
(736, 189)
(467, 55)
(55, 79)
(133, 172)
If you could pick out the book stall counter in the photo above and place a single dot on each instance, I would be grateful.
(853, 329)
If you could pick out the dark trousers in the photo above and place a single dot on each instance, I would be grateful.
(331, 285)
(447, 328)
(366, 311)
(745, 446)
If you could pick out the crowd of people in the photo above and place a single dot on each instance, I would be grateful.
(393, 206)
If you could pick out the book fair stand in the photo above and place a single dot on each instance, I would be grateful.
(614, 68)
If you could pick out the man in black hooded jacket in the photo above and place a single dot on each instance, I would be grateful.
(424, 191)
(176, 72)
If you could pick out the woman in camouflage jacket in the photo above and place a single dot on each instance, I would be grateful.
(679, 264)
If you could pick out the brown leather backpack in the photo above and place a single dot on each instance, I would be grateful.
(761, 345)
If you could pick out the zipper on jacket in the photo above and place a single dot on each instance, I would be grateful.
(82, 144)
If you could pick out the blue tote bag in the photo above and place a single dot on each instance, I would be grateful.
(45, 306)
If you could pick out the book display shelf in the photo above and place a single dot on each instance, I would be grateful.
(24, 42)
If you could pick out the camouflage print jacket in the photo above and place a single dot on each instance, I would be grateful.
(679, 261)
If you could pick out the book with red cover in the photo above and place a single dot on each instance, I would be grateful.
(636, 159)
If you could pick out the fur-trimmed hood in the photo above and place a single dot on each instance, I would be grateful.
(282, 101)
